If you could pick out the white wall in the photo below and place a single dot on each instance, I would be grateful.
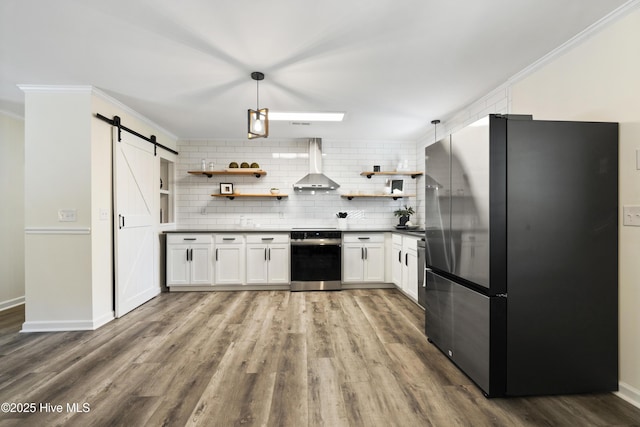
(11, 211)
(57, 176)
(286, 162)
(598, 80)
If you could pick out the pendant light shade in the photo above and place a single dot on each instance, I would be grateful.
(258, 119)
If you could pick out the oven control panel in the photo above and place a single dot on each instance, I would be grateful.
(315, 234)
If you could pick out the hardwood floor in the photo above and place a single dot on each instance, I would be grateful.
(349, 358)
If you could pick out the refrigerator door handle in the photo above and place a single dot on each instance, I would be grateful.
(424, 281)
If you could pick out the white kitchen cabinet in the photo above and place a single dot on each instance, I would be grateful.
(396, 260)
(229, 259)
(268, 258)
(189, 260)
(363, 257)
(404, 269)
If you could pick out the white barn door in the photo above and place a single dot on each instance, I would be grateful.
(134, 204)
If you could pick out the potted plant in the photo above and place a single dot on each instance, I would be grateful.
(275, 190)
(404, 214)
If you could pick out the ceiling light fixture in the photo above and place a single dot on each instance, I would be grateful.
(306, 116)
(258, 119)
(435, 129)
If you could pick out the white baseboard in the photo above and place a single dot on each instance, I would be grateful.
(628, 393)
(4, 305)
(67, 325)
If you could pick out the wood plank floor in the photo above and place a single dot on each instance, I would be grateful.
(269, 358)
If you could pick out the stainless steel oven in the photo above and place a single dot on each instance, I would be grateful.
(316, 260)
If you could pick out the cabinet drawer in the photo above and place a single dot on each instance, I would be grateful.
(396, 239)
(189, 239)
(268, 238)
(229, 239)
(363, 237)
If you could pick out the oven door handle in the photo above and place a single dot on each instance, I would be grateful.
(316, 243)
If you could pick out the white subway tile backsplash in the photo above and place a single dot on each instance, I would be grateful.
(286, 161)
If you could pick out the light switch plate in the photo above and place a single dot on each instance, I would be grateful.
(631, 215)
(67, 215)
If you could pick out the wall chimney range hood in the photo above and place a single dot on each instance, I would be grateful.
(315, 180)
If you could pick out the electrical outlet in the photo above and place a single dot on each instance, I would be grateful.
(631, 215)
(104, 214)
(67, 215)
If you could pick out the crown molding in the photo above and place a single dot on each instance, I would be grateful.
(576, 40)
(12, 115)
(26, 88)
(108, 98)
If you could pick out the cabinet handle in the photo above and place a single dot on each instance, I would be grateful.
(364, 238)
(229, 238)
(187, 253)
(361, 253)
(189, 238)
(269, 254)
(267, 238)
(366, 253)
(216, 254)
(400, 257)
(191, 254)
(265, 254)
(406, 259)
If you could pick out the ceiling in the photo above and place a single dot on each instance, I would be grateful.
(391, 65)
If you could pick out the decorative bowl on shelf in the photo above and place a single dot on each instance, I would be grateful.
(275, 191)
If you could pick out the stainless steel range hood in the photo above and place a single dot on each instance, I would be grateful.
(315, 180)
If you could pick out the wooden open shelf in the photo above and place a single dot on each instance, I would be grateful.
(258, 173)
(411, 173)
(387, 196)
(233, 196)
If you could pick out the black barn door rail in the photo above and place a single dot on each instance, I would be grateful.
(116, 122)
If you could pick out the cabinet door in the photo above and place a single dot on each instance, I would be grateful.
(229, 264)
(177, 265)
(396, 265)
(201, 265)
(374, 262)
(352, 262)
(410, 274)
(257, 264)
(278, 255)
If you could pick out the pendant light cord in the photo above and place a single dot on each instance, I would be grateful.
(435, 129)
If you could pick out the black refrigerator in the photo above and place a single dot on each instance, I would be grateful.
(522, 254)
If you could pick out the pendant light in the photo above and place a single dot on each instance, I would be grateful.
(431, 183)
(435, 129)
(258, 119)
